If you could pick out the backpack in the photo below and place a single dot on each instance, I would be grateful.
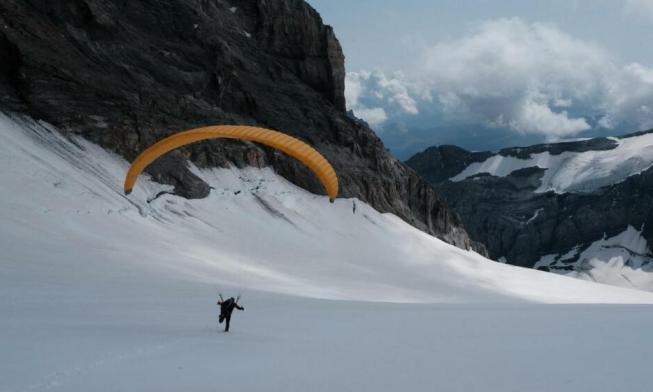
(227, 306)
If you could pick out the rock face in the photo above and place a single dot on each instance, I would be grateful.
(520, 224)
(127, 73)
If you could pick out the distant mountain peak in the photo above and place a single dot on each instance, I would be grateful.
(527, 203)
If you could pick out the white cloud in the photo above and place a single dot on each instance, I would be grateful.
(535, 117)
(519, 72)
(371, 94)
(373, 116)
(529, 77)
(630, 96)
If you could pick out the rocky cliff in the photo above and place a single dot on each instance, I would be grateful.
(127, 73)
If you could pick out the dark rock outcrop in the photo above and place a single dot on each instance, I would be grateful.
(516, 223)
(439, 163)
(127, 73)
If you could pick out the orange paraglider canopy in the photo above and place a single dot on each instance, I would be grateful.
(288, 144)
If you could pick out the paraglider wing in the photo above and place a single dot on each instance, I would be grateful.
(288, 144)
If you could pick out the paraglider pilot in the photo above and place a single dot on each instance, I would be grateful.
(226, 308)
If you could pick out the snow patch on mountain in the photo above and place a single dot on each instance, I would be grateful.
(574, 171)
(621, 260)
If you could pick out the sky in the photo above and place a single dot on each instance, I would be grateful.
(486, 74)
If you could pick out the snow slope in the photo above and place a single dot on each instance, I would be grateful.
(104, 292)
(63, 203)
(575, 171)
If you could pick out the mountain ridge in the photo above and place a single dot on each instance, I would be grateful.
(535, 206)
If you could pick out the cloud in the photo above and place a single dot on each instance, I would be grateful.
(520, 73)
(373, 116)
(640, 9)
(630, 97)
(371, 94)
(531, 78)
(535, 117)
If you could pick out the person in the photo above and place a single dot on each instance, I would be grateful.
(226, 308)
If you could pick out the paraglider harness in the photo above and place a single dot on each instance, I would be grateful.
(226, 307)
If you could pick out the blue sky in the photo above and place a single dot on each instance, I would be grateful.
(487, 74)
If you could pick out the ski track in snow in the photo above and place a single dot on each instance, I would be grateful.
(104, 292)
